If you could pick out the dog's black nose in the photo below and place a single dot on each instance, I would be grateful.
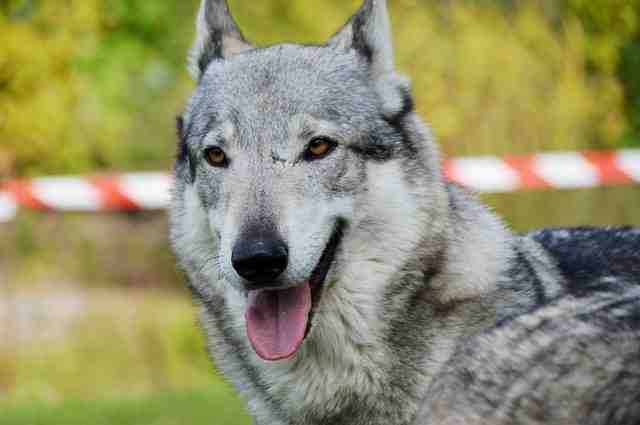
(260, 260)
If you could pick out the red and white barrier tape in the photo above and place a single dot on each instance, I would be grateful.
(558, 170)
(140, 191)
(484, 174)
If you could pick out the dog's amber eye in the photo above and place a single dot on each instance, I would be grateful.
(216, 157)
(319, 148)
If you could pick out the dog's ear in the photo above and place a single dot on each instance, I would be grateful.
(368, 32)
(217, 36)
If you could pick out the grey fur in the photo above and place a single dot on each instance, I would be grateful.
(573, 361)
(427, 285)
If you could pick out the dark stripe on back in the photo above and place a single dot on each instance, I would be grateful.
(593, 258)
(538, 287)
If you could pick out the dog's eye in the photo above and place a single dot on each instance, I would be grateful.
(216, 157)
(319, 148)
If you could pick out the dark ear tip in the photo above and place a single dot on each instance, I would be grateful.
(218, 37)
(180, 127)
(368, 33)
(214, 9)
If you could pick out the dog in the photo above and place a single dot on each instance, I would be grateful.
(342, 280)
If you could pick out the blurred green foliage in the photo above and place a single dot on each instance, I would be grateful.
(88, 84)
(612, 44)
(91, 85)
(134, 342)
(210, 406)
(127, 251)
(612, 29)
(129, 352)
(213, 405)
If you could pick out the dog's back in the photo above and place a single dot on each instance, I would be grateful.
(592, 257)
(574, 360)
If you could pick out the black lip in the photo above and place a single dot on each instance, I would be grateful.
(319, 274)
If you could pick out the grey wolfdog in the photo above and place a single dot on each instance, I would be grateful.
(342, 280)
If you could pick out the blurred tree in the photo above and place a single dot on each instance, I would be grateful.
(39, 93)
(496, 82)
(94, 84)
(137, 73)
(81, 80)
(612, 29)
(629, 70)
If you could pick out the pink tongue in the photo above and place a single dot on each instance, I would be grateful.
(277, 321)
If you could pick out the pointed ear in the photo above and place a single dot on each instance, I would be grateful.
(368, 32)
(217, 36)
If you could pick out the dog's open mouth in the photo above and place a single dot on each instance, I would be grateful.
(279, 320)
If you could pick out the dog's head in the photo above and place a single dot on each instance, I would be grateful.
(291, 160)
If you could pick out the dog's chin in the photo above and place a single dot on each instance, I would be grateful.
(279, 320)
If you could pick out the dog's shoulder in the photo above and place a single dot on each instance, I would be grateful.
(592, 258)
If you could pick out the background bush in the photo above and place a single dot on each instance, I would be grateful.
(90, 85)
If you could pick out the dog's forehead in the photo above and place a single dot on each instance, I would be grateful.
(285, 80)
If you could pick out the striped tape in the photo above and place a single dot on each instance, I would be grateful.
(126, 192)
(143, 191)
(558, 170)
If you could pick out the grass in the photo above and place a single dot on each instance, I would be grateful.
(117, 342)
(128, 357)
(214, 405)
